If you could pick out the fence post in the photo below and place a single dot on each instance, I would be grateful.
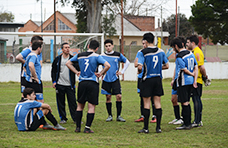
(52, 51)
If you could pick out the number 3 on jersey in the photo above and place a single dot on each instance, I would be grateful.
(155, 60)
(86, 64)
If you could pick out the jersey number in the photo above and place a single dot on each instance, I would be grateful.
(86, 64)
(190, 64)
(155, 60)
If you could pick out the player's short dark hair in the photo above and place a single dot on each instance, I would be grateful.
(182, 40)
(36, 45)
(149, 37)
(93, 44)
(64, 44)
(194, 38)
(28, 91)
(176, 41)
(108, 41)
(36, 38)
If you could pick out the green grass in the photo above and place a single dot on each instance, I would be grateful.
(214, 133)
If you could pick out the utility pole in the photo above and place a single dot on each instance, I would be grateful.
(122, 37)
(54, 30)
(41, 17)
(161, 29)
(176, 21)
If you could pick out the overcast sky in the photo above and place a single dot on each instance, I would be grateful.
(23, 10)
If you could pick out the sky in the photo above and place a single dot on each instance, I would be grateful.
(24, 10)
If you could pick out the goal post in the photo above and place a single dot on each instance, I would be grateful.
(16, 41)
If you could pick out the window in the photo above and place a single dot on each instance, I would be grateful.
(134, 43)
(62, 26)
(50, 26)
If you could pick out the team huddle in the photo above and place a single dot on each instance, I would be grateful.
(189, 75)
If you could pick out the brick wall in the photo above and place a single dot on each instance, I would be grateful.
(144, 23)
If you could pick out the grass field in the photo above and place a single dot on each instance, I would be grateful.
(214, 132)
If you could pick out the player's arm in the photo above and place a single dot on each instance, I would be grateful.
(136, 62)
(19, 57)
(33, 71)
(173, 77)
(104, 70)
(165, 66)
(53, 72)
(69, 64)
(126, 64)
(139, 68)
(188, 72)
(195, 76)
(46, 106)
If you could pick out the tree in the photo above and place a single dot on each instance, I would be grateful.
(209, 18)
(6, 17)
(185, 26)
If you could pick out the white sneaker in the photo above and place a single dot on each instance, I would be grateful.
(180, 121)
(171, 122)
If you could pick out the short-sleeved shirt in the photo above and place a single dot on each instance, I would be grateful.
(152, 59)
(185, 60)
(113, 59)
(23, 114)
(32, 57)
(88, 63)
(26, 51)
(200, 60)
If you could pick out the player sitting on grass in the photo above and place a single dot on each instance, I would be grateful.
(29, 114)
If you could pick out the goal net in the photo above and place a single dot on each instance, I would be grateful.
(12, 43)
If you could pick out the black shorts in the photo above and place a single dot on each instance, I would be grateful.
(37, 121)
(37, 87)
(152, 87)
(197, 91)
(88, 91)
(184, 93)
(139, 85)
(111, 88)
(23, 84)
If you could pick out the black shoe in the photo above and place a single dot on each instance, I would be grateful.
(184, 127)
(144, 131)
(78, 130)
(158, 130)
(88, 130)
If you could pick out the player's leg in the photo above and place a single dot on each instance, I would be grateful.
(52, 119)
(71, 102)
(106, 90)
(60, 99)
(176, 109)
(141, 118)
(157, 104)
(89, 118)
(153, 120)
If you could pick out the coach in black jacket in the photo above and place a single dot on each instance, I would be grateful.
(63, 81)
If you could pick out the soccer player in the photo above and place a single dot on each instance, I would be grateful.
(153, 60)
(192, 43)
(111, 84)
(32, 69)
(29, 114)
(88, 87)
(186, 80)
(63, 81)
(141, 118)
(21, 57)
(174, 100)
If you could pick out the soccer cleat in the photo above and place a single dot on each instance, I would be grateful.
(63, 122)
(119, 118)
(109, 118)
(88, 130)
(141, 119)
(78, 130)
(197, 125)
(59, 127)
(41, 126)
(153, 120)
(158, 130)
(47, 127)
(173, 121)
(144, 131)
(184, 127)
(180, 121)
